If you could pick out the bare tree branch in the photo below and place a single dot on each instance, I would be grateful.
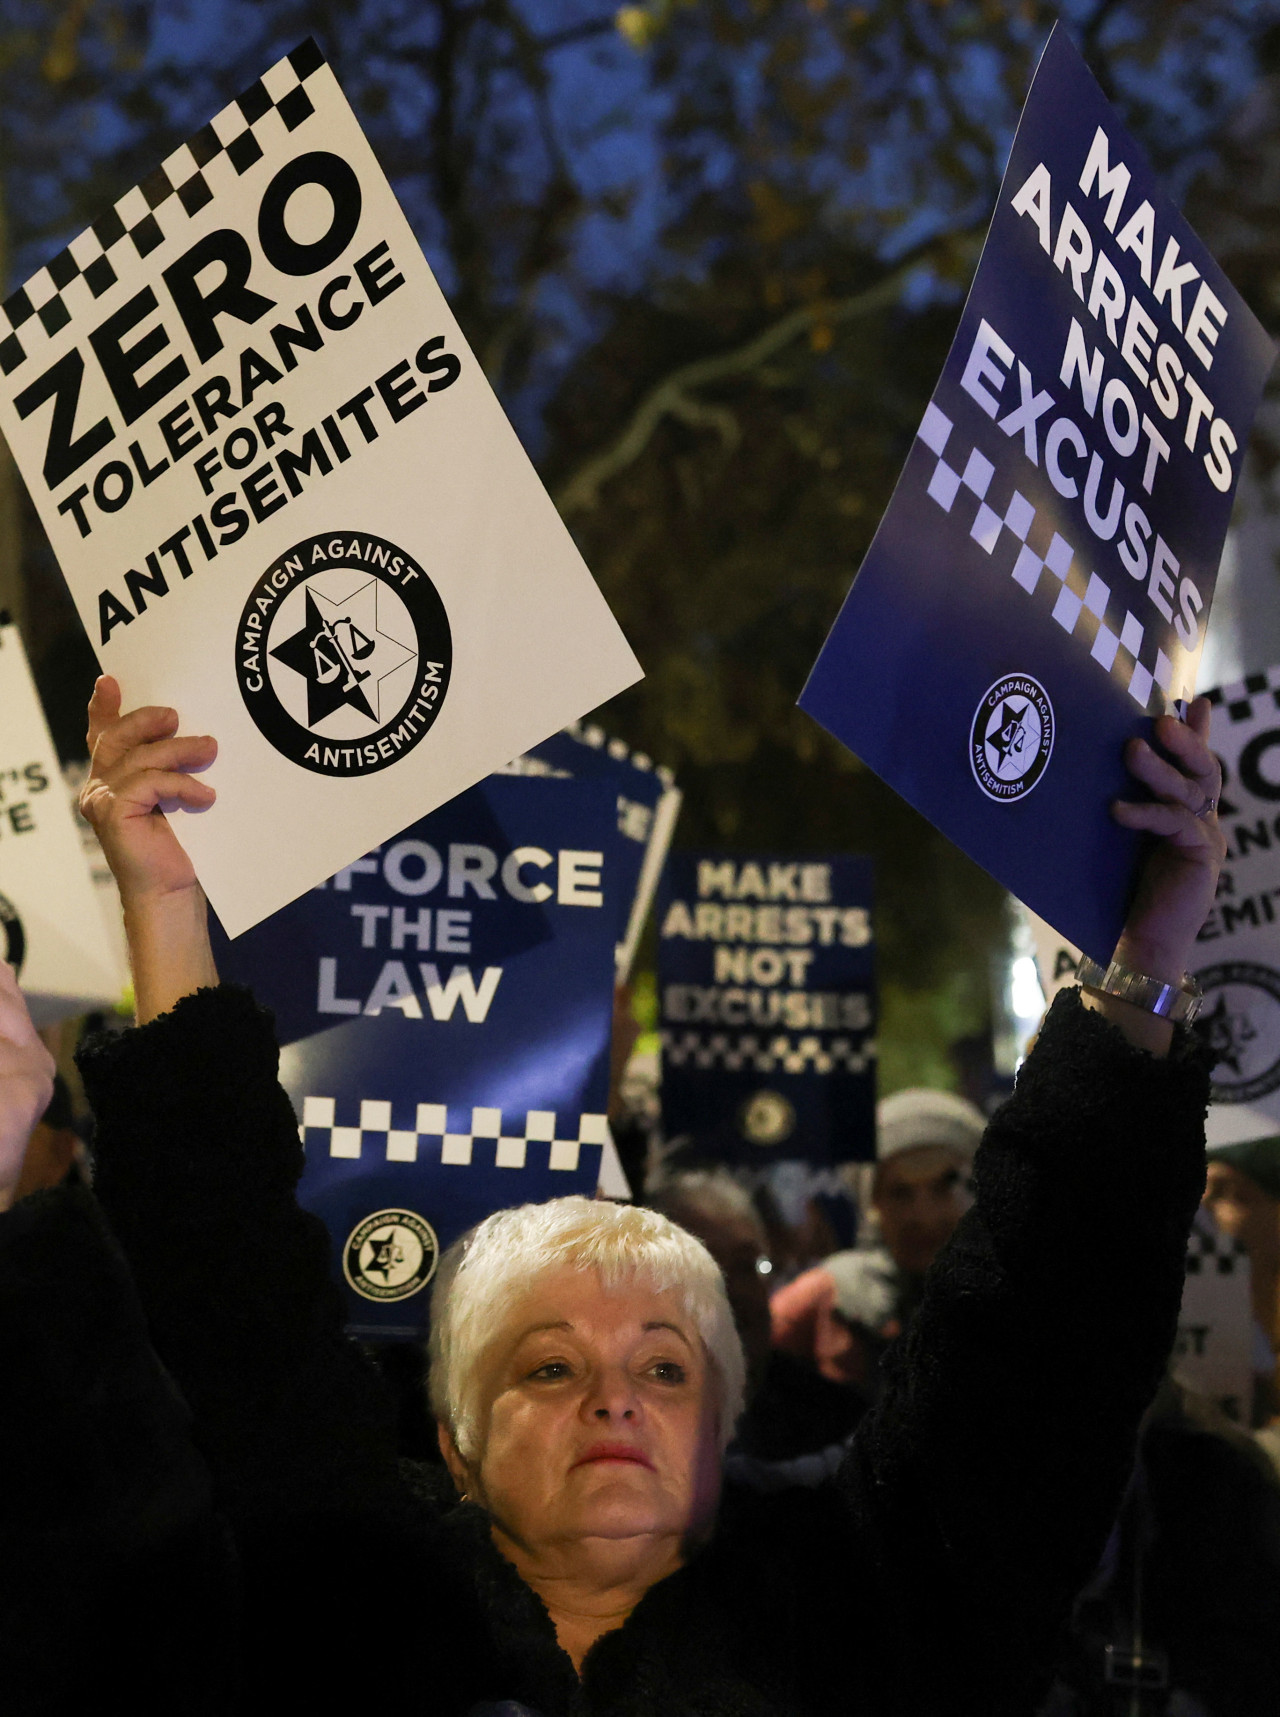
(579, 32)
(671, 397)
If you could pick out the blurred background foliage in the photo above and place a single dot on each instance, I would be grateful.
(710, 254)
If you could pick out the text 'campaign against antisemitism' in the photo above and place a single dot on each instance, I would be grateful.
(286, 500)
(1041, 580)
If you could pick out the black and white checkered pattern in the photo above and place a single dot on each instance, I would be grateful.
(180, 187)
(1258, 694)
(751, 1053)
(484, 1143)
(1207, 1253)
(1083, 600)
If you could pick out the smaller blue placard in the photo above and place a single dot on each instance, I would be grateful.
(767, 1006)
(647, 807)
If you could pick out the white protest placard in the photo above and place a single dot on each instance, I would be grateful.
(1057, 961)
(287, 501)
(52, 929)
(1213, 1353)
(1237, 954)
(1238, 950)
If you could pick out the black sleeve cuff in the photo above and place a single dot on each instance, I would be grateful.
(190, 1098)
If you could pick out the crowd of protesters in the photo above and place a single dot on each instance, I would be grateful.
(643, 1466)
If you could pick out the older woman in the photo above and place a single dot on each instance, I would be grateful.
(580, 1557)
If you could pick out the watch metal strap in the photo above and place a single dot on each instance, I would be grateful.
(1179, 1003)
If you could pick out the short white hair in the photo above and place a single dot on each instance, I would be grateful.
(622, 1243)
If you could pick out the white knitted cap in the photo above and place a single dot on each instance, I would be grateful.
(923, 1117)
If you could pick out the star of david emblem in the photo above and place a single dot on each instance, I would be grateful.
(387, 1253)
(342, 653)
(1229, 1034)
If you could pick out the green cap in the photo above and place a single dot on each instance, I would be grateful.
(1259, 1159)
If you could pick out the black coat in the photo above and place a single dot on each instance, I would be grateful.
(932, 1576)
(116, 1574)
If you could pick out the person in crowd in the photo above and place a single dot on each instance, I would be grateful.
(116, 1574)
(55, 1151)
(586, 1374)
(841, 1315)
(1242, 1191)
(1179, 1619)
(790, 1409)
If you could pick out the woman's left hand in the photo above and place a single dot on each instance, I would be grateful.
(1179, 879)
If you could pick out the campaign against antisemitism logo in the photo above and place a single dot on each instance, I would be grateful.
(343, 653)
(391, 1255)
(1240, 1021)
(767, 1118)
(1012, 737)
(1059, 518)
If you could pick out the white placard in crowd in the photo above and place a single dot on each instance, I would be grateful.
(662, 828)
(1213, 1353)
(286, 499)
(1057, 962)
(1237, 955)
(51, 923)
(1238, 950)
(74, 776)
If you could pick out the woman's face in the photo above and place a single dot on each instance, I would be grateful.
(597, 1417)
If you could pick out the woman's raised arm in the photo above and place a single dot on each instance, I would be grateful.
(1180, 877)
(989, 1474)
(139, 770)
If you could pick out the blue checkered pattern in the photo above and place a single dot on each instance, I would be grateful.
(180, 187)
(427, 1135)
(1083, 603)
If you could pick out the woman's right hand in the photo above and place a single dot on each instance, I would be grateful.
(139, 769)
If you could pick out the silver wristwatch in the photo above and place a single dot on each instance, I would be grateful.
(1179, 1003)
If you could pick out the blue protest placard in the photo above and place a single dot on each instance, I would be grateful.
(648, 806)
(446, 1004)
(1041, 579)
(767, 1007)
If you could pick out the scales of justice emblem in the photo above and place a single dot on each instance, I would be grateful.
(352, 651)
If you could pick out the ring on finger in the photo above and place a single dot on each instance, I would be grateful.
(1209, 807)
